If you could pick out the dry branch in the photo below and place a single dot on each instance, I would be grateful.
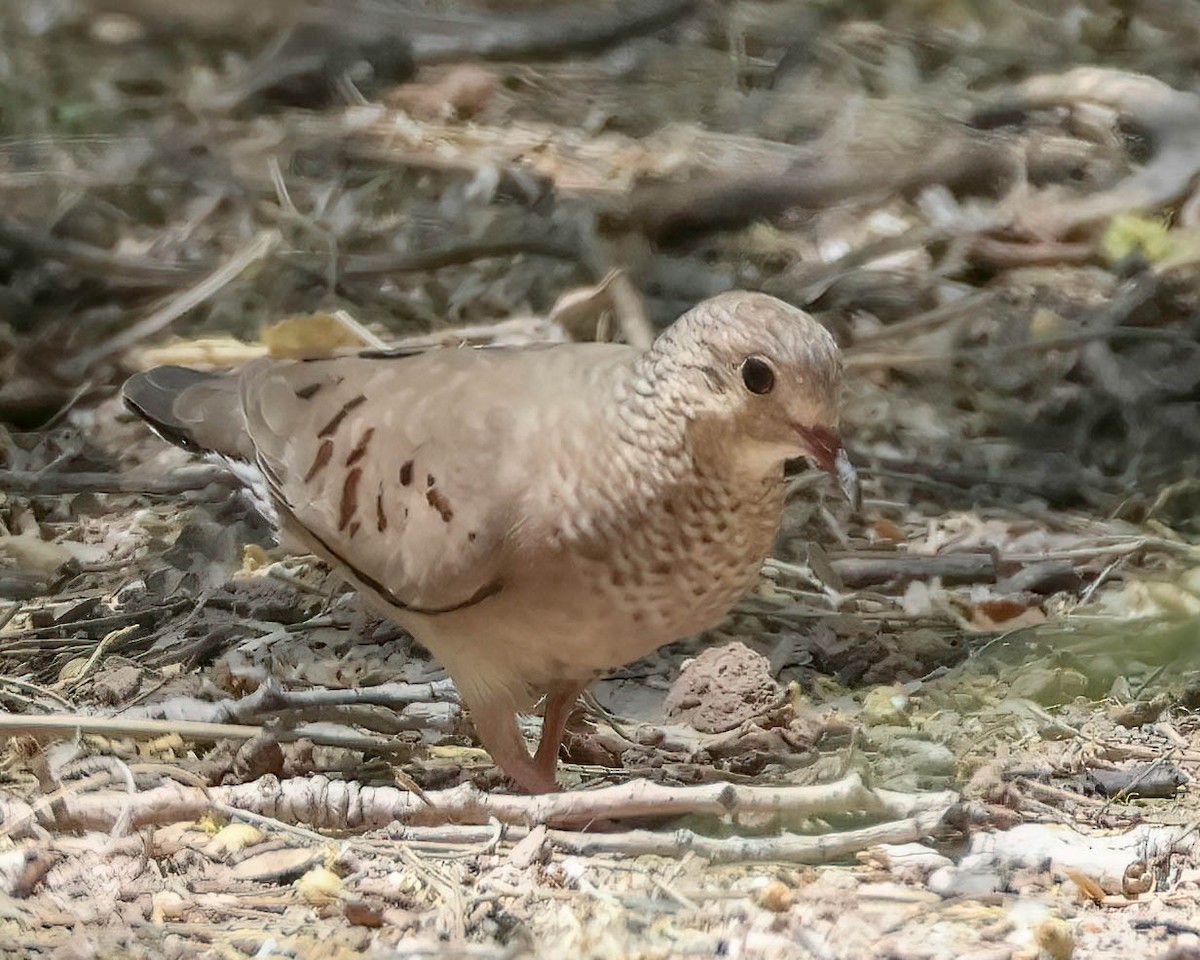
(179, 304)
(46, 483)
(787, 848)
(338, 805)
(421, 703)
(867, 570)
(1170, 119)
(576, 28)
(94, 261)
(70, 725)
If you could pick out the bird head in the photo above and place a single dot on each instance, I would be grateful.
(764, 376)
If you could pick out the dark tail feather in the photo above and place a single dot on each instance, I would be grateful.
(194, 409)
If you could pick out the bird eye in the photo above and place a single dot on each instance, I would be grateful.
(757, 375)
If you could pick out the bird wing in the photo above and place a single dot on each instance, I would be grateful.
(410, 471)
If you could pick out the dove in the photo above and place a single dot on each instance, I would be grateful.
(537, 515)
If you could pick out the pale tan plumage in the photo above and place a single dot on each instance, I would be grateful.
(533, 516)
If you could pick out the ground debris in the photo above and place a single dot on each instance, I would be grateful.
(963, 726)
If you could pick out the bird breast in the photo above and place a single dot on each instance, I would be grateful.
(655, 562)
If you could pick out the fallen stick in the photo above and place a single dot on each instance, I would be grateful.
(177, 306)
(543, 34)
(787, 847)
(1170, 119)
(327, 804)
(95, 261)
(70, 725)
(1060, 849)
(314, 799)
(425, 705)
(46, 483)
(864, 571)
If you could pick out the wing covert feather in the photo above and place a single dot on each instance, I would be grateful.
(410, 470)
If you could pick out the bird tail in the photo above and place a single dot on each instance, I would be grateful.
(193, 409)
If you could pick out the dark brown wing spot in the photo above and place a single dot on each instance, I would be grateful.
(406, 473)
(360, 448)
(438, 501)
(381, 520)
(354, 528)
(324, 455)
(471, 535)
(349, 498)
(307, 393)
(338, 417)
(429, 480)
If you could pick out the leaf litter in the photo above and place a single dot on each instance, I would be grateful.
(975, 701)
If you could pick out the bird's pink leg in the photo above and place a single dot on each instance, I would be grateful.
(496, 726)
(560, 701)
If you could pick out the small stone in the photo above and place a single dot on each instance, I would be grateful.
(1055, 938)
(884, 706)
(923, 757)
(1139, 712)
(967, 881)
(775, 896)
(722, 688)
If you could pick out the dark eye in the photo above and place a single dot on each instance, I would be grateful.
(757, 375)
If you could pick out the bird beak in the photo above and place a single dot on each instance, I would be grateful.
(825, 448)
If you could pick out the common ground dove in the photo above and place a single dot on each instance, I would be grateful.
(536, 515)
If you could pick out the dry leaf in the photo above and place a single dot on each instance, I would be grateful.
(1087, 886)
(29, 553)
(319, 885)
(167, 905)
(888, 531)
(309, 337)
(584, 312)
(276, 864)
(362, 914)
(208, 352)
(254, 559)
(234, 838)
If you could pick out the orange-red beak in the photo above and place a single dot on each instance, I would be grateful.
(825, 447)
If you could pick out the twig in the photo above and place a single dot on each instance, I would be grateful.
(342, 805)
(177, 306)
(930, 319)
(866, 570)
(1169, 117)
(543, 243)
(45, 483)
(88, 259)
(57, 725)
(785, 848)
(574, 28)
(272, 699)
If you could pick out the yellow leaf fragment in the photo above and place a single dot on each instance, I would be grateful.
(254, 558)
(1087, 886)
(219, 352)
(1129, 233)
(319, 885)
(309, 336)
(234, 838)
(167, 905)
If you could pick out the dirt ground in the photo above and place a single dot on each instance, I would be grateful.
(960, 722)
